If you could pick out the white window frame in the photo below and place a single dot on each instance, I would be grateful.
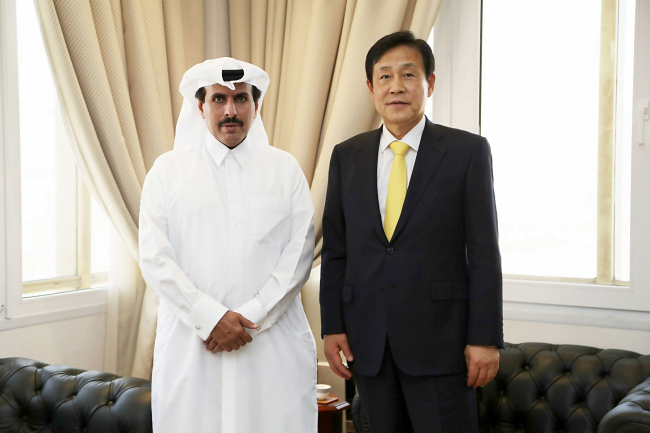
(456, 103)
(16, 311)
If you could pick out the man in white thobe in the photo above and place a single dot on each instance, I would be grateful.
(226, 240)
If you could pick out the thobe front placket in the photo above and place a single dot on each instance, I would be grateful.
(236, 242)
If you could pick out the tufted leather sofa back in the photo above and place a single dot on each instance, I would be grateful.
(36, 397)
(558, 388)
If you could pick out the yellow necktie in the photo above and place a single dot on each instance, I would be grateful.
(396, 188)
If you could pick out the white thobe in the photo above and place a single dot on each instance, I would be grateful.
(223, 230)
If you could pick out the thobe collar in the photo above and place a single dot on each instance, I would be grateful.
(412, 138)
(219, 151)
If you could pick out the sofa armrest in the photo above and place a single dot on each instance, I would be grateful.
(632, 414)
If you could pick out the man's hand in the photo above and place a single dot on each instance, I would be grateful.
(229, 334)
(482, 364)
(334, 344)
(216, 347)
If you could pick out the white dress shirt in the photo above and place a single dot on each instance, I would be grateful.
(386, 157)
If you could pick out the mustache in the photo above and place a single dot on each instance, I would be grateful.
(228, 120)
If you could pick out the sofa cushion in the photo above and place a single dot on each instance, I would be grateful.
(549, 388)
(38, 397)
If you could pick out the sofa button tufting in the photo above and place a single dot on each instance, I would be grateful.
(527, 367)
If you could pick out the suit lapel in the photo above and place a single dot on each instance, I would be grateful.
(369, 156)
(430, 154)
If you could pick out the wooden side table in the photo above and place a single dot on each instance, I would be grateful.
(330, 415)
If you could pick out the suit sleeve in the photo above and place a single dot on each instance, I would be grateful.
(334, 254)
(294, 266)
(485, 318)
(159, 266)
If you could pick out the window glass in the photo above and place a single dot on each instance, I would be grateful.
(48, 174)
(540, 111)
(50, 205)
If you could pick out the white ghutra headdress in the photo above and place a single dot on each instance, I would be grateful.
(191, 127)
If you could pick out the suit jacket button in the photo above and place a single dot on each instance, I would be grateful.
(390, 251)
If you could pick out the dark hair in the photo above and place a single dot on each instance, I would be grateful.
(200, 94)
(397, 39)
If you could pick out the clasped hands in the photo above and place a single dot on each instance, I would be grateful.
(482, 361)
(229, 334)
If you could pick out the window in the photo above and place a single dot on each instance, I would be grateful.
(65, 235)
(499, 69)
(556, 104)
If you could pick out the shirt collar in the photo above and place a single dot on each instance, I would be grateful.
(412, 138)
(218, 150)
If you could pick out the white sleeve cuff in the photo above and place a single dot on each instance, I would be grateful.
(255, 312)
(205, 316)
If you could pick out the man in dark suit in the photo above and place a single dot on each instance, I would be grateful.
(411, 271)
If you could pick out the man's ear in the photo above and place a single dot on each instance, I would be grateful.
(431, 83)
(256, 105)
(201, 108)
(370, 88)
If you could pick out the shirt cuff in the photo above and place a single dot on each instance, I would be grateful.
(205, 316)
(255, 312)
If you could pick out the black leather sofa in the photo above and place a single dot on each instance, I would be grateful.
(36, 397)
(561, 388)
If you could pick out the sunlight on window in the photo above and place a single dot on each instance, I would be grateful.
(539, 110)
(48, 180)
(49, 196)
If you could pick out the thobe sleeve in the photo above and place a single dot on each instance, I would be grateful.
(159, 266)
(294, 266)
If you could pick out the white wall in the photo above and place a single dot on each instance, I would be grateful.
(517, 331)
(77, 342)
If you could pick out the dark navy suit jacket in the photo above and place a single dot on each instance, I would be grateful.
(437, 285)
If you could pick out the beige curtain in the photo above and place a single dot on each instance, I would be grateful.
(117, 65)
(315, 51)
